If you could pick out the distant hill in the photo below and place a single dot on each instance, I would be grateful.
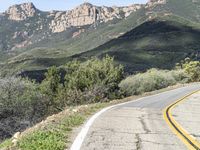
(160, 42)
(157, 34)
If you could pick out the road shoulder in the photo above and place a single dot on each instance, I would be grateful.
(183, 117)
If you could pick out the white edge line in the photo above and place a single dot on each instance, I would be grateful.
(82, 134)
(80, 138)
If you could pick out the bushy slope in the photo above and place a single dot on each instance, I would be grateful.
(188, 9)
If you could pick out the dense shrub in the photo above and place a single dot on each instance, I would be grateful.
(192, 68)
(21, 105)
(93, 72)
(50, 88)
(151, 80)
(92, 81)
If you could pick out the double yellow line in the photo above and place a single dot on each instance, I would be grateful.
(185, 137)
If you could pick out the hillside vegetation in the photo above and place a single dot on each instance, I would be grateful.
(156, 35)
(160, 43)
(25, 103)
(151, 80)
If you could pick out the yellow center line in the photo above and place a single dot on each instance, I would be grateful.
(184, 136)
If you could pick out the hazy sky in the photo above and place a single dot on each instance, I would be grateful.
(65, 4)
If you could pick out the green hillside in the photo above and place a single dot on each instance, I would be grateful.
(156, 36)
(57, 51)
(161, 42)
(188, 9)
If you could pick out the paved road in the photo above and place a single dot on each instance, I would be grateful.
(138, 125)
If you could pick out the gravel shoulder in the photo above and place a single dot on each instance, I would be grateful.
(187, 114)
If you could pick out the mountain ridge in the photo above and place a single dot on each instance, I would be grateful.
(29, 46)
(84, 14)
(26, 25)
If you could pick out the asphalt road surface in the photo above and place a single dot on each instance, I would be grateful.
(138, 125)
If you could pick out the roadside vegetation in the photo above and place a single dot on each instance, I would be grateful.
(24, 103)
(191, 69)
(21, 105)
(151, 80)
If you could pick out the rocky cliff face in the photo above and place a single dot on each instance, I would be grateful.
(25, 25)
(88, 14)
(155, 2)
(85, 14)
(21, 12)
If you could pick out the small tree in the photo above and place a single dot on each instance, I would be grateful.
(192, 68)
(50, 86)
(93, 72)
(95, 77)
(21, 105)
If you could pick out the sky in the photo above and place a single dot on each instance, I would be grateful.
(47, 5)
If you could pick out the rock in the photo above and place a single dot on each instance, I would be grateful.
(77, 21)
(75, 110)
(155, 2)
(21, 12)
(75, 34)
(16, 135)
(16, 138)
(14, 142)
(85, 14)
(88, 14)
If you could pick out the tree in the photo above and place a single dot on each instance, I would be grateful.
(50, 86)
(93, 72)
(21, 105)
(95, 77)
(192, 68)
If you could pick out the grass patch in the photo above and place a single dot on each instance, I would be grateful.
(41, 140)
(6, 143)
(55, 136)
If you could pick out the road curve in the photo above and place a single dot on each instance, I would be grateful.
(136, 125)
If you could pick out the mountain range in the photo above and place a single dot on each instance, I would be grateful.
(140, 36)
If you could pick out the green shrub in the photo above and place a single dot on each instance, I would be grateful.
(92, 81)
(50, 88)
(192, 69)
(93, 72)
(151, 80)
(21, 105)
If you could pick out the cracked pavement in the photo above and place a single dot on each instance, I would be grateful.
(138, 125)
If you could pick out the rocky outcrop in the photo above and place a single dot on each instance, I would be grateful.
(155, 2)
(85, 14)
(21, 12)
(75, 34)
(88, 14)
(38, 25)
